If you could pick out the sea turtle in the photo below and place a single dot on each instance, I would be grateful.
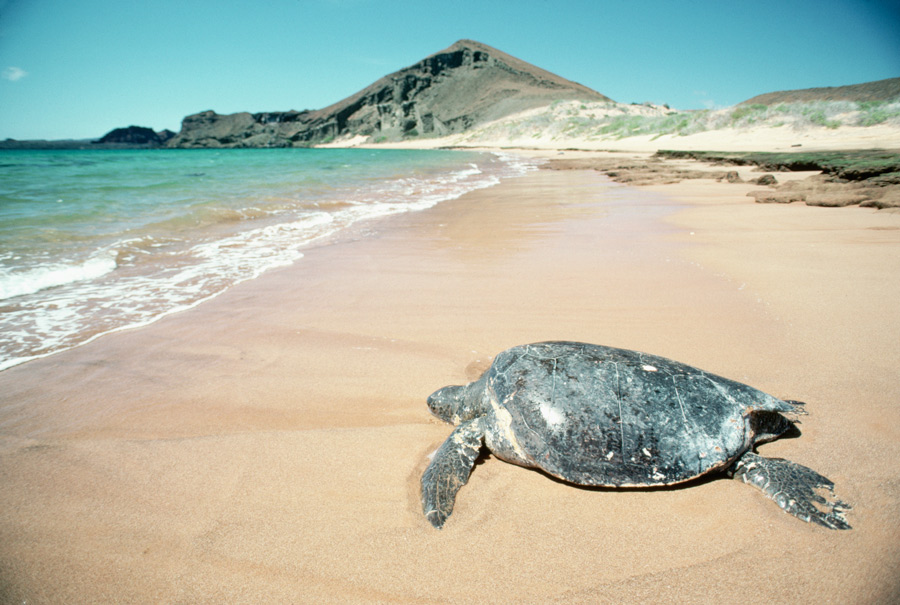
(595, 415)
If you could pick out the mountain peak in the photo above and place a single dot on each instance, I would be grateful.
(466, 84)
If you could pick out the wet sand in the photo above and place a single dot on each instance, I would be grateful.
(267, 445)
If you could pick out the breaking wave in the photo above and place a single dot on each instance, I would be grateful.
(19, 283)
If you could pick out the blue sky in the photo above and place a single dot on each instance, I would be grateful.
(79, 68)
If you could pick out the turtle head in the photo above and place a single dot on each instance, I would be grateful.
(445, 403)
(457, 404)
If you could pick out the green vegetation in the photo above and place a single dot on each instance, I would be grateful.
(822, 114)
(571, 119)
(748, 111)
(877, 112)
(621, 126)
(817, 116)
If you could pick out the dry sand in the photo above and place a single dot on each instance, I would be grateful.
(267, 446)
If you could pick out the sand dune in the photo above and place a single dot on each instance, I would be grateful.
(648, 128)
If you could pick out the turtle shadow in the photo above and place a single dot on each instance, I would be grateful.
(696, 481)
(487, 456)
(791, 433)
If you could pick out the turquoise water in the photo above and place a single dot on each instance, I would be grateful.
(96, 241)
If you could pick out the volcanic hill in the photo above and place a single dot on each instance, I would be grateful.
(882, 90)
(465, 85)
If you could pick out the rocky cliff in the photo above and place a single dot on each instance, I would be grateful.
(135, 136)
(450, 91)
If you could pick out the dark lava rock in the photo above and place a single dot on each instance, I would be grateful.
(132, 135)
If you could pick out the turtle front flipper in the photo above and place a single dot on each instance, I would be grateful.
(449, 470)
(793, 487)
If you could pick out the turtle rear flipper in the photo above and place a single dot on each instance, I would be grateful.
(793, 487)
(449, 470)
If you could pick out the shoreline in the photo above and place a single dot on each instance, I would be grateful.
(224, 218)
(270, 441)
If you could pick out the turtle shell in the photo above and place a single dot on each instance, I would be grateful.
(595, 415)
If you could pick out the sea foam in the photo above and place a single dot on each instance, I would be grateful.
(19, 283)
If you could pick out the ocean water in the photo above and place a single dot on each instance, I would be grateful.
(97, 241)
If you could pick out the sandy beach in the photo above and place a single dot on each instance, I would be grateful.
(266, 446)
